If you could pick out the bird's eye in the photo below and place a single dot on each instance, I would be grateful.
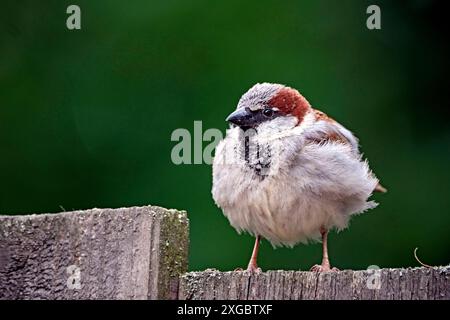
(267, 112)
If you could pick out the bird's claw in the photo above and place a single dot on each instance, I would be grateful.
(254, 269)
(323, 268)
(249, 269)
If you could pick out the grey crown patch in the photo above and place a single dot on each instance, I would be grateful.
(257, 97)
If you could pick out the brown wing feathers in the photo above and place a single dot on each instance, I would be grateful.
(335, 136)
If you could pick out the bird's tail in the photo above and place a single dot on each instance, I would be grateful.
(380, 188)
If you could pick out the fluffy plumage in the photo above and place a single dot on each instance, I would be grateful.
(289, 176)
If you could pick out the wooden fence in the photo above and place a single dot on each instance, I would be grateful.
(142, 253)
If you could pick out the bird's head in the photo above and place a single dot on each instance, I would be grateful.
(267, 103)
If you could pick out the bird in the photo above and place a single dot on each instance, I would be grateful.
(288, 172)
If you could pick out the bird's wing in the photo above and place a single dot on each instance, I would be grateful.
(326, 129)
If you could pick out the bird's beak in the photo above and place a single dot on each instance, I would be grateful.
(243, 118)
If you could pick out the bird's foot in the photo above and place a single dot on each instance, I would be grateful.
(323, 268)
(252, 269)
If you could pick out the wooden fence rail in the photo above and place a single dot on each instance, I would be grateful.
(142, 253)
(382, 284)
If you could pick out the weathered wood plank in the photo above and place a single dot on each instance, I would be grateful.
(127, 253)
(383, 284)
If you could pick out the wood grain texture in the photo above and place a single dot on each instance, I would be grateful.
(382, 284)
(127, 253)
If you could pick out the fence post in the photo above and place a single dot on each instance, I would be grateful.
(126, 253)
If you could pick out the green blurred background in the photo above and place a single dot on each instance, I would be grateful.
(86, 116)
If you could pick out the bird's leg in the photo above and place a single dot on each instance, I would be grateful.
(325, 266)
(252, 265)
(325, 259)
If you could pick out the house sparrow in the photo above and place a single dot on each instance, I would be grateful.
(287, 172)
